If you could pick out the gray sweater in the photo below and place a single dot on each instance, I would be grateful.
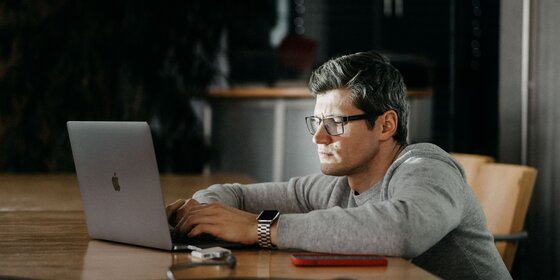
(421, 210)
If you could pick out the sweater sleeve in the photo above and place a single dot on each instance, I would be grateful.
(298, 195)
(424, 204)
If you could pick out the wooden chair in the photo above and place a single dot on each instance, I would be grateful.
(504, 192)
(471, 164)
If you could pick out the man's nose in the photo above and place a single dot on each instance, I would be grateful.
(321, 136)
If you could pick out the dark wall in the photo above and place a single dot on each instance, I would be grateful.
(456, 41)
(476, 77)
(141, 60)
(104, 60)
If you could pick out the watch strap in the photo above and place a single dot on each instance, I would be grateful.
(263, 232)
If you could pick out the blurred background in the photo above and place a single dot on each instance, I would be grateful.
(482, 78)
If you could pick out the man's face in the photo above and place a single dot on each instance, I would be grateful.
(351, 152)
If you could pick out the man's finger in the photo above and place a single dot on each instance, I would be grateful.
(171, 209)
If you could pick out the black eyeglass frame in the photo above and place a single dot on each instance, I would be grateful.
(337, 120)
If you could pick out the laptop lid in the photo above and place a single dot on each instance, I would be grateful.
(119, 182)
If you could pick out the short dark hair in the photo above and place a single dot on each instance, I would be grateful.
(374, 84)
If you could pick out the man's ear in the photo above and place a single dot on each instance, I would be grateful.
(389, 121)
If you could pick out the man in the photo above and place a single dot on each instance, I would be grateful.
(377, 195)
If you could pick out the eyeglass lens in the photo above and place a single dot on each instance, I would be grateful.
(331, 125)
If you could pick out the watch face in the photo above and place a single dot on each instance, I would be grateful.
(268, 215)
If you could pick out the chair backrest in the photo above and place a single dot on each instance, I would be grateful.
(471, 164)
(504, 192)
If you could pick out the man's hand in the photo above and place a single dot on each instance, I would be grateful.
(224, 222)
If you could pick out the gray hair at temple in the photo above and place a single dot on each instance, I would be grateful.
(374, 84)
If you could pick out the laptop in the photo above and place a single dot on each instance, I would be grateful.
(120, 186)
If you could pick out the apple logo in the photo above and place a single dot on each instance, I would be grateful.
(115, 181)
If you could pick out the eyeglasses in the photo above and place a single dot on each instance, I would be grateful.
(334, 125)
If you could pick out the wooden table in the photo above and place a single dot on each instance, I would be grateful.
(43, 235)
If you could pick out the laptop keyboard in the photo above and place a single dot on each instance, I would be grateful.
(181, 238)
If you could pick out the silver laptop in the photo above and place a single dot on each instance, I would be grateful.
(120, 185)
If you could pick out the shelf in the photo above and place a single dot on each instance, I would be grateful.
(287, 92)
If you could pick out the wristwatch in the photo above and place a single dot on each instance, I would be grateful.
(266, 219)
